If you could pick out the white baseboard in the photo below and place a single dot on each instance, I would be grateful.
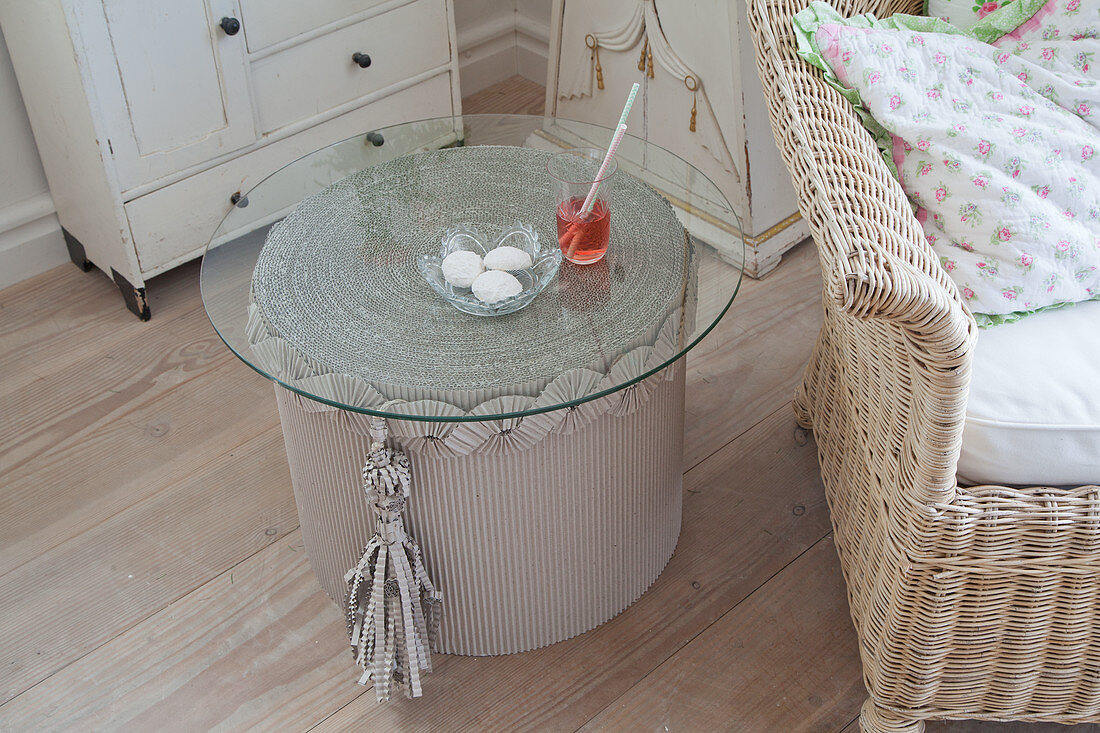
(30, 240)
(493, 62)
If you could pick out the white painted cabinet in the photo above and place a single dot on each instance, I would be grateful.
(150, 116)
(700, 99)
(172, 93)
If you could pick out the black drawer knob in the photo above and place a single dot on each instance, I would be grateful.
(230, 26)
(238, 200)
(376, 139)
(361, 58)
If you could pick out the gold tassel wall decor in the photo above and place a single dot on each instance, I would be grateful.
(649, 59)
(693, 86)
(592, 43)
(641, 60)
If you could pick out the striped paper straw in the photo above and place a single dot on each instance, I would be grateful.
(622, 121)
(590, 200)
(629, 102)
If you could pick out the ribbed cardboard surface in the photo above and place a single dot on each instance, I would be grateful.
(528, 546)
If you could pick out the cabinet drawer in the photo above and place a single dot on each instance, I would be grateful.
(267, 23)
(173, 224)
(315, 76)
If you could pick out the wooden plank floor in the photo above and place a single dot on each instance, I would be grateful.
(152, 576)
(515, 96)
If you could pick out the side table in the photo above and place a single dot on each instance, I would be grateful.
(546, 446)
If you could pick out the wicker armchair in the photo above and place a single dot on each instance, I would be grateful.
(979, 602)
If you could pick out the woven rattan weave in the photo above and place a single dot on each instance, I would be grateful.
(979, 602)
(338, 280)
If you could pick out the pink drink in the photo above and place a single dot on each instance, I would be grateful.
(583, 237)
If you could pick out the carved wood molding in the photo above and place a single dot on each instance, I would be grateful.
(643, 26)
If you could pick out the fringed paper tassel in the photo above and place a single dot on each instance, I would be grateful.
(393, 608)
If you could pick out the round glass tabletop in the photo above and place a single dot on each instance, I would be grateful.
(316, 279)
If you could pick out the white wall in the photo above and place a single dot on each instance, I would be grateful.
(30, 236)
(501, 38)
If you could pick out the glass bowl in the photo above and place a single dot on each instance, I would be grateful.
(546, 261)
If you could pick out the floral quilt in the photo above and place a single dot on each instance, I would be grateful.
(963, 13)
(996, 143)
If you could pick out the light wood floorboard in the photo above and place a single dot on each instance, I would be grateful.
(516, 95)
(743, 674)
(748, 511)
(257, 646)
(152, 421)
(122, 570)
(152, 576)
(753, 359)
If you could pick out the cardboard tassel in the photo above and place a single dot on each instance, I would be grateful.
(392, 607)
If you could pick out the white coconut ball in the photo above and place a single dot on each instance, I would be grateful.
(493, 286)
(507, 258)
(461, 268)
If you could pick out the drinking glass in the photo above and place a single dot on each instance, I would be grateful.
(583, 234)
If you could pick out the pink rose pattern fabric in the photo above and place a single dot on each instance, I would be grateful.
(963, 13)
(996, 146)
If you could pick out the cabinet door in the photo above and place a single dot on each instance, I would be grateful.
(170, 81)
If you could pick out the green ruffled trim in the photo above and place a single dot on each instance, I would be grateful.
(986, 320)
(816, 14)
(1005, 19)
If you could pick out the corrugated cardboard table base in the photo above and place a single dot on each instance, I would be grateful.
(529, 547)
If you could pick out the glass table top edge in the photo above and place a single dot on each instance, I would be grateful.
(466, 127)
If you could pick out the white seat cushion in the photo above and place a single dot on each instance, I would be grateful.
(1033, 415)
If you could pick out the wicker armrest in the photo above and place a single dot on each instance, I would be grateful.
(877, 267)
(881, 265)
